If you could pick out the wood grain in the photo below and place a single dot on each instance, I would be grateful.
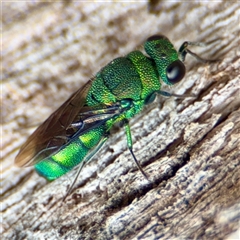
(189, 147)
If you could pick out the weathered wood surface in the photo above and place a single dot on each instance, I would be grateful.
(188, 147)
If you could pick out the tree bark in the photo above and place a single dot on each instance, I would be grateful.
(188, 147)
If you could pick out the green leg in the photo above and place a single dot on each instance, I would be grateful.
(87, 159)
(129, 143)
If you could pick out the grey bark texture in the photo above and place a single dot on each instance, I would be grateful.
(189, 147)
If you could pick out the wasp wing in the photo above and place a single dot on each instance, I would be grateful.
(54, 131)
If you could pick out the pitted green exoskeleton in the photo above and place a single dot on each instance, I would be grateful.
(76, 131)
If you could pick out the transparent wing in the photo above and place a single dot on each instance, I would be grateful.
(52, 134)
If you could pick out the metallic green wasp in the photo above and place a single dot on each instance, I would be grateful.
(76, 131)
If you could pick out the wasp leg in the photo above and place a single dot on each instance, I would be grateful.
(87, 159)
(130, 144)
(167, 94)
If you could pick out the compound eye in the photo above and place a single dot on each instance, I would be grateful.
(175, 72)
